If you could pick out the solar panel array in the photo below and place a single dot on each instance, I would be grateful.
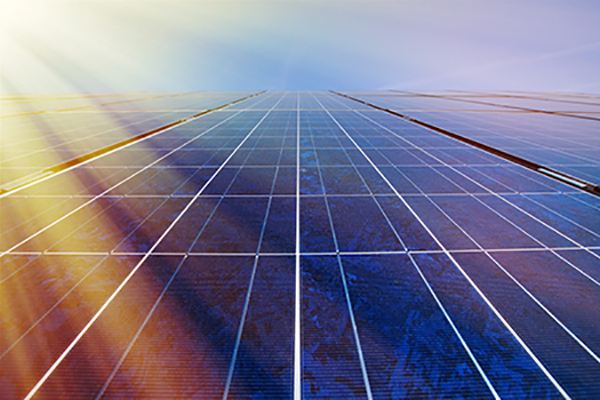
(299, 245)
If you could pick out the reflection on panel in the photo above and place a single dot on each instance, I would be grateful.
(299, 245)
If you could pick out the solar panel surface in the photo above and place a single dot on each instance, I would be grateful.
(298, 245)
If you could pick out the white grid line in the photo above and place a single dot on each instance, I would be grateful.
(297, 283)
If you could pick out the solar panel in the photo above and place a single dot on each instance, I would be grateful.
(534, 129)
(302, 245)
(62, 133)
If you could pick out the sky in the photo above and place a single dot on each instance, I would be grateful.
(65, 46)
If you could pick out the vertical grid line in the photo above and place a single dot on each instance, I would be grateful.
(298, 287)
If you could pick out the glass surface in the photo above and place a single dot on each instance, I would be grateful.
(421, 267)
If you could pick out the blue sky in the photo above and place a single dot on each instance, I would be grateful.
(131, 45)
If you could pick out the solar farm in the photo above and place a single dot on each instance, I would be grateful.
(300, 245)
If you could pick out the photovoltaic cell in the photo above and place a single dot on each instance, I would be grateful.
(422, 267)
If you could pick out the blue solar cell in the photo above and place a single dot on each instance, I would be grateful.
(522, 180)
(235, 228)
(222, 181)
(561, 289)
(463, 181)
(279, 234)
(186, 231)
(459, 155)
(288, 157)
(326, 142)
(530, 225)
(474, 219)
(374, 181)
(308, 157)
(586, 198)
(451, 236)
(331, 366)
(356, 157)
(190, 157)
(332, 157)
(285, 181)
(376, 157)
(401, 157)
(253, 180)
(585, 260)
(197, 180)
(482, 177)
(429, 181)
(147, 234)
(399, 181)
(263, 157)
(342, 180)
(310, 181)
(315, 227)
(361, 226)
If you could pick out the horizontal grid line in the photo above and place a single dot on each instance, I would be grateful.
(306, 253)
